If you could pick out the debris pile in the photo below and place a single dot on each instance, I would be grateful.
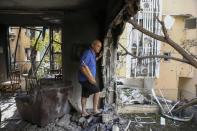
(108, 119)
(169, 111)
(132, 96)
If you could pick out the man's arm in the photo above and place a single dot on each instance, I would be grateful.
(85, 73)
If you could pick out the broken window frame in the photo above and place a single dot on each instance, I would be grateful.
(190, 23)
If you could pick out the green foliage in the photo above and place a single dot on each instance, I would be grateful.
(42, 43)
(57, 47)
(42, 46)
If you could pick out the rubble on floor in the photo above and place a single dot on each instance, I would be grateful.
(132, 96)
(108, 119)
(167, 109)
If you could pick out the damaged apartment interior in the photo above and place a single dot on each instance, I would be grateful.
(41, 43)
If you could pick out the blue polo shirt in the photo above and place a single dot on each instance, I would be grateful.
(89, 57)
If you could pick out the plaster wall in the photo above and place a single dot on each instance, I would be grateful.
(188, 87)
(121, 63)
(169, 70)
(177, 7)
(176, 76)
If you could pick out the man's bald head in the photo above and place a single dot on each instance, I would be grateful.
(96, 46)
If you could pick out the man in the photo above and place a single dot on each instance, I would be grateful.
(86, 79)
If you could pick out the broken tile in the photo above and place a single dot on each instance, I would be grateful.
(162, 121)
(64, 121)
(82, 120)
(107, 118)
(101, 127)
(75, 117)
(115, 128)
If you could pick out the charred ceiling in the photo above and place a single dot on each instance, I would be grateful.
(50, 12)
(127, 11)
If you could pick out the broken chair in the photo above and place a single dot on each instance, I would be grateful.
(14, 83)
(31, 83)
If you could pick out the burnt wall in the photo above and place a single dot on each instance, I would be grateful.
(3, 52)
(79, 30)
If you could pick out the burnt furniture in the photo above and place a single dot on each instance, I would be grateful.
(45, 103)
(13, 84)
(30, 83)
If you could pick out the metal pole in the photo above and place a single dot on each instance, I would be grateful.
(51, 50)
(165, 102)
(33, 55)
(148, 46)
(42, 58)
(19, 32)
(152, 44)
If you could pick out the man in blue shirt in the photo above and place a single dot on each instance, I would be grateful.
(87, 80)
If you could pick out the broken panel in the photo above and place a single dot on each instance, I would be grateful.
(143, 45)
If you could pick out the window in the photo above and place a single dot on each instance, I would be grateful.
(166, 54)
(191, 23)
(28, 53)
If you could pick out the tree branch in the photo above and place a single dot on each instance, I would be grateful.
(190, 103)
(195, 56)
(57, 42)
(166, 39)
(19, 33)
(153, 56)
(155, 36)
(163, 28)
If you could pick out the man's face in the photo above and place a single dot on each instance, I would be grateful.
(97, 47)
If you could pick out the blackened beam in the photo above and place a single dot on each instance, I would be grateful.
(27, 28)
(42, 58)
(33, 53)
(32, 28)
(19, 32)
(57, 42)
(51, 49)
(34, 48)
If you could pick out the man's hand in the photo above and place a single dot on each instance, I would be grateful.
(92, 80)
(100, 55)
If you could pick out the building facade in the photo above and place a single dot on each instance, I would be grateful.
(176, 80)
(23, 48)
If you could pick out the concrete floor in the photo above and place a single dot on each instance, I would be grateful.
(11, 121)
